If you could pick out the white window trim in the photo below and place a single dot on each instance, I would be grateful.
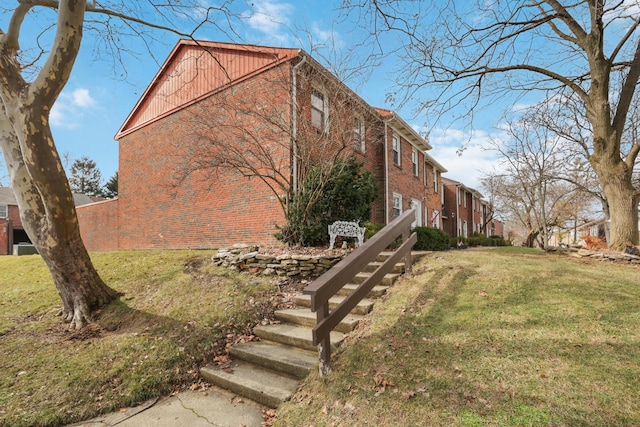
(396, 197)
(4, 211)
(396, 143)
(359, 134)
(325, 108)
(435, 215)
(414, 162)
(435, 179)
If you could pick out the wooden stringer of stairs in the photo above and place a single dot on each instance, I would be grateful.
(268, 371)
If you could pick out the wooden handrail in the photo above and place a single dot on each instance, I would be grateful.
(327, 285)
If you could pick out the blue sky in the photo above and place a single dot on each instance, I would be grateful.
(98, 97)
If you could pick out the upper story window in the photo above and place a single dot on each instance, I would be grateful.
(4, 211)
(318, 109)
(414, 161)
(358, 134)
(395, 147)
(435, 180)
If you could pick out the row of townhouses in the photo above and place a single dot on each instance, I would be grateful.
(226, 132)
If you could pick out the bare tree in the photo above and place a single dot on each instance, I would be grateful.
(532, 161)
(473, 53)
(255, 137)
(32, 80)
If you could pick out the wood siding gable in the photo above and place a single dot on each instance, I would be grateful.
(195, 70)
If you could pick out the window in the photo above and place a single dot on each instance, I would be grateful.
(318, 109)
(435, 180)
(395, 146)
(397, 205)
(435, 218)
(4, 211)
(358, 134)
(414, 161)
(417, 205)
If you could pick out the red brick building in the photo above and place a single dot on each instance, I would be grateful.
(462, 209)
(223, 136)
(11, 230)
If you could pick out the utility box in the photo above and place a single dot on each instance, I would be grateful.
(24, 249)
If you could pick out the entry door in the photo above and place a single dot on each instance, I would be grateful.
(417, 205)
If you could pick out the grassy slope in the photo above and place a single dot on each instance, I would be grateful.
(507, 337)
(174, 315)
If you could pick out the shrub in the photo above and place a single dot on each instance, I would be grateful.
(338, 192)
(431, 239)
(371, 229)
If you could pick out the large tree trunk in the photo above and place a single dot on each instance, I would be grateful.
(37, 177)
(622, 199)
(623, 209)
(49, 217)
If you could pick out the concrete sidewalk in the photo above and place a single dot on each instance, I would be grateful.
(215, 407)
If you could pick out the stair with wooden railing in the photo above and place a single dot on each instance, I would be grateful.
(268, 371)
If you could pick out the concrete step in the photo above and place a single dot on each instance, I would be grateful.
(415, 255)
(387, 280)
(376, 292)
(374, 265)
(305, 317)
(261, 385)
(362, 308)
(276, 357)
(295, 336)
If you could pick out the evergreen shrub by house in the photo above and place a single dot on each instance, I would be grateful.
(431, 239)
(345, 194)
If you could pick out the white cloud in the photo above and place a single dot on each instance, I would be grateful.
(465, 154)
(69, 109)
(82, 98)
(270, 18)
(330, 38)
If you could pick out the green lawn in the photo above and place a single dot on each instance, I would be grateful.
(175, 314)
(502, 337)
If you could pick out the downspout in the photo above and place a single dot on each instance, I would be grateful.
(386, 176)
(294, 124)
(459, 220)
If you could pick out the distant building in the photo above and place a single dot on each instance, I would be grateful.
(11, 230)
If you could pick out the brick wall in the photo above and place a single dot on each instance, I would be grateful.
(402, 180)
(7, 227)
(433, 198)
(4, 236)
(450, 223)
(99, 225)
(163, 206)
(14, 216)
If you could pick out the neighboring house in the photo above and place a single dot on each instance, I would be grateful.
(11, 229)
(411, 175)
(225, 133)
(465, 213)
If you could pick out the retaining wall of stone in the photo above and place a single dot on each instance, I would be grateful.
(291, 265)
